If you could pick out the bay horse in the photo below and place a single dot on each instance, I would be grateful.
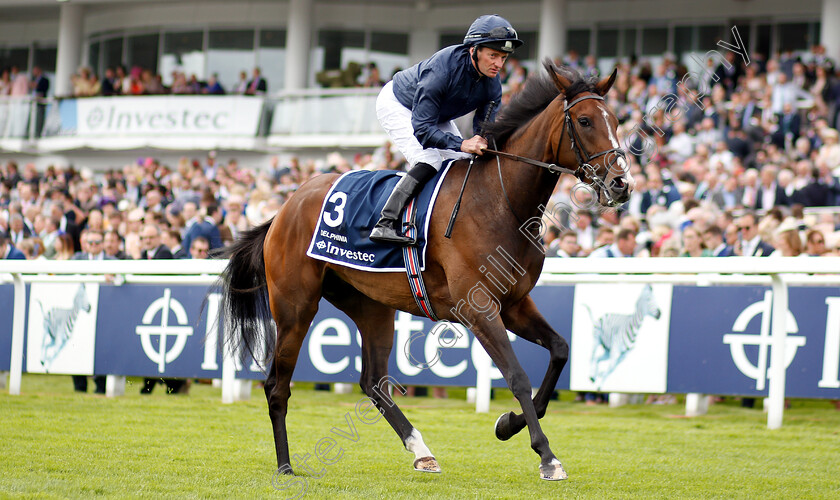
(556, 120)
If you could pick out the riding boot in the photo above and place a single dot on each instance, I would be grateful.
(386, 230)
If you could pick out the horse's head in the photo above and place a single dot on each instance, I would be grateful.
(591, 129)
(81, 301)
(648, 302)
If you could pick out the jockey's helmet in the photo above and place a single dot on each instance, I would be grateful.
(492, 31)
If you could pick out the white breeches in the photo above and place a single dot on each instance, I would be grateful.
(396, 120)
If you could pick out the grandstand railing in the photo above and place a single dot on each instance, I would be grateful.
(777, 272)
(313, 118)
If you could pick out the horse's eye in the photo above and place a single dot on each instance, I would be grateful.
(584, 122)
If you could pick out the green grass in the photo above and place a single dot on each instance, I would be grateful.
(58, 444)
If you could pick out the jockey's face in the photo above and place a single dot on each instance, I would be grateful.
(488, 61)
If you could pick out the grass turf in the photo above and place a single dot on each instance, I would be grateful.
(55, 443)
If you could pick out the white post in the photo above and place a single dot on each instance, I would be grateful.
(482, 383)
(69, 54)
(829, 36)
(16, 364)
(298, 44)
(776, 393)
(618, 399)
(114, 386)
(228, 378)
(342, 388)
(696, 404)
(552, 36)
(242, 389)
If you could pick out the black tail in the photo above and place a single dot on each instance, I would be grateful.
(248, 321)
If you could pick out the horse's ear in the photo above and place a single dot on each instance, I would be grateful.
(604, 85)
(560, 81)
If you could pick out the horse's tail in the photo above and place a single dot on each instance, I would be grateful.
(248, 321)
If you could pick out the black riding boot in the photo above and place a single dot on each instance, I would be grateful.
(386, 230)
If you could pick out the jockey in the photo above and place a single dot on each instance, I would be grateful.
(418, 106)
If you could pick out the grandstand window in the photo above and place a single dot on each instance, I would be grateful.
(578, 40)
(15, 56)
(764, 39)
(112, 53)
(271, 57)
(528, 50)
(228, 53)
(607, 43)
(275, 39)
(709, 36)
(793, 37)
(182, 51)
(683, 40)
(340, 47)
(392, 43)
(447, 39)
(143, 51)
(628, 39)
(45, 58)
(389, 51)
(93, 57)
(654, 41)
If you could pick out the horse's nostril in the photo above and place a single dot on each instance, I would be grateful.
(618, 185)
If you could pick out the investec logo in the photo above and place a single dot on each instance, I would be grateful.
(163, 329)
(759, 371)
(114, 117)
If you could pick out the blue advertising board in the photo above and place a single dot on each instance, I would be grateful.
(678, 339)
(7, 299)
(153, 330)
(445, 355)
(720, 341)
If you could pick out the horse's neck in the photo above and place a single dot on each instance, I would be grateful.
(528, 187)
(639, 315)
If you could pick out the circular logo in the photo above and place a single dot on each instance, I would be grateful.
(94, 118)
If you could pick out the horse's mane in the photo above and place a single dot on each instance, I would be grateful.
(538, 92)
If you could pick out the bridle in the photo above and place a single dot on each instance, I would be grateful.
(582, 156)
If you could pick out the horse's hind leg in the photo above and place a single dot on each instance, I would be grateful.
(293, 310)
(376, 324)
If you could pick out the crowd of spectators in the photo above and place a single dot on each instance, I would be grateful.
(734, 167)
(142, 81)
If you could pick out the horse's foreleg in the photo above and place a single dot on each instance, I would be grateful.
(526, 321)
(493, 337)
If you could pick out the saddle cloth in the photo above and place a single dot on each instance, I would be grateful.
(350, 210)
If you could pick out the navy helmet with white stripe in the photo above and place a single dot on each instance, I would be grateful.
(493, 31)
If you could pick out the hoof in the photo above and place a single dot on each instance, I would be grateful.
(553, 471)
(503, 430)
(426, 464)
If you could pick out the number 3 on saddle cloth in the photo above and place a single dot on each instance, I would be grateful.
(351, 209)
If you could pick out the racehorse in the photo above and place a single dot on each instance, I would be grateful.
(556, 120)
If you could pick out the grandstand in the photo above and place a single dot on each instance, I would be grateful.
(130, 130)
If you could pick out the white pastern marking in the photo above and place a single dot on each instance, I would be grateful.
(414, 443)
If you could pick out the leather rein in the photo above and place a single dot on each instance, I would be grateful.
(581, 155)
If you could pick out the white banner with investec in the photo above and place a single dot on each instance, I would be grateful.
(169, 115)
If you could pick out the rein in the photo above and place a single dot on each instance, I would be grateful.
(583, 157)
